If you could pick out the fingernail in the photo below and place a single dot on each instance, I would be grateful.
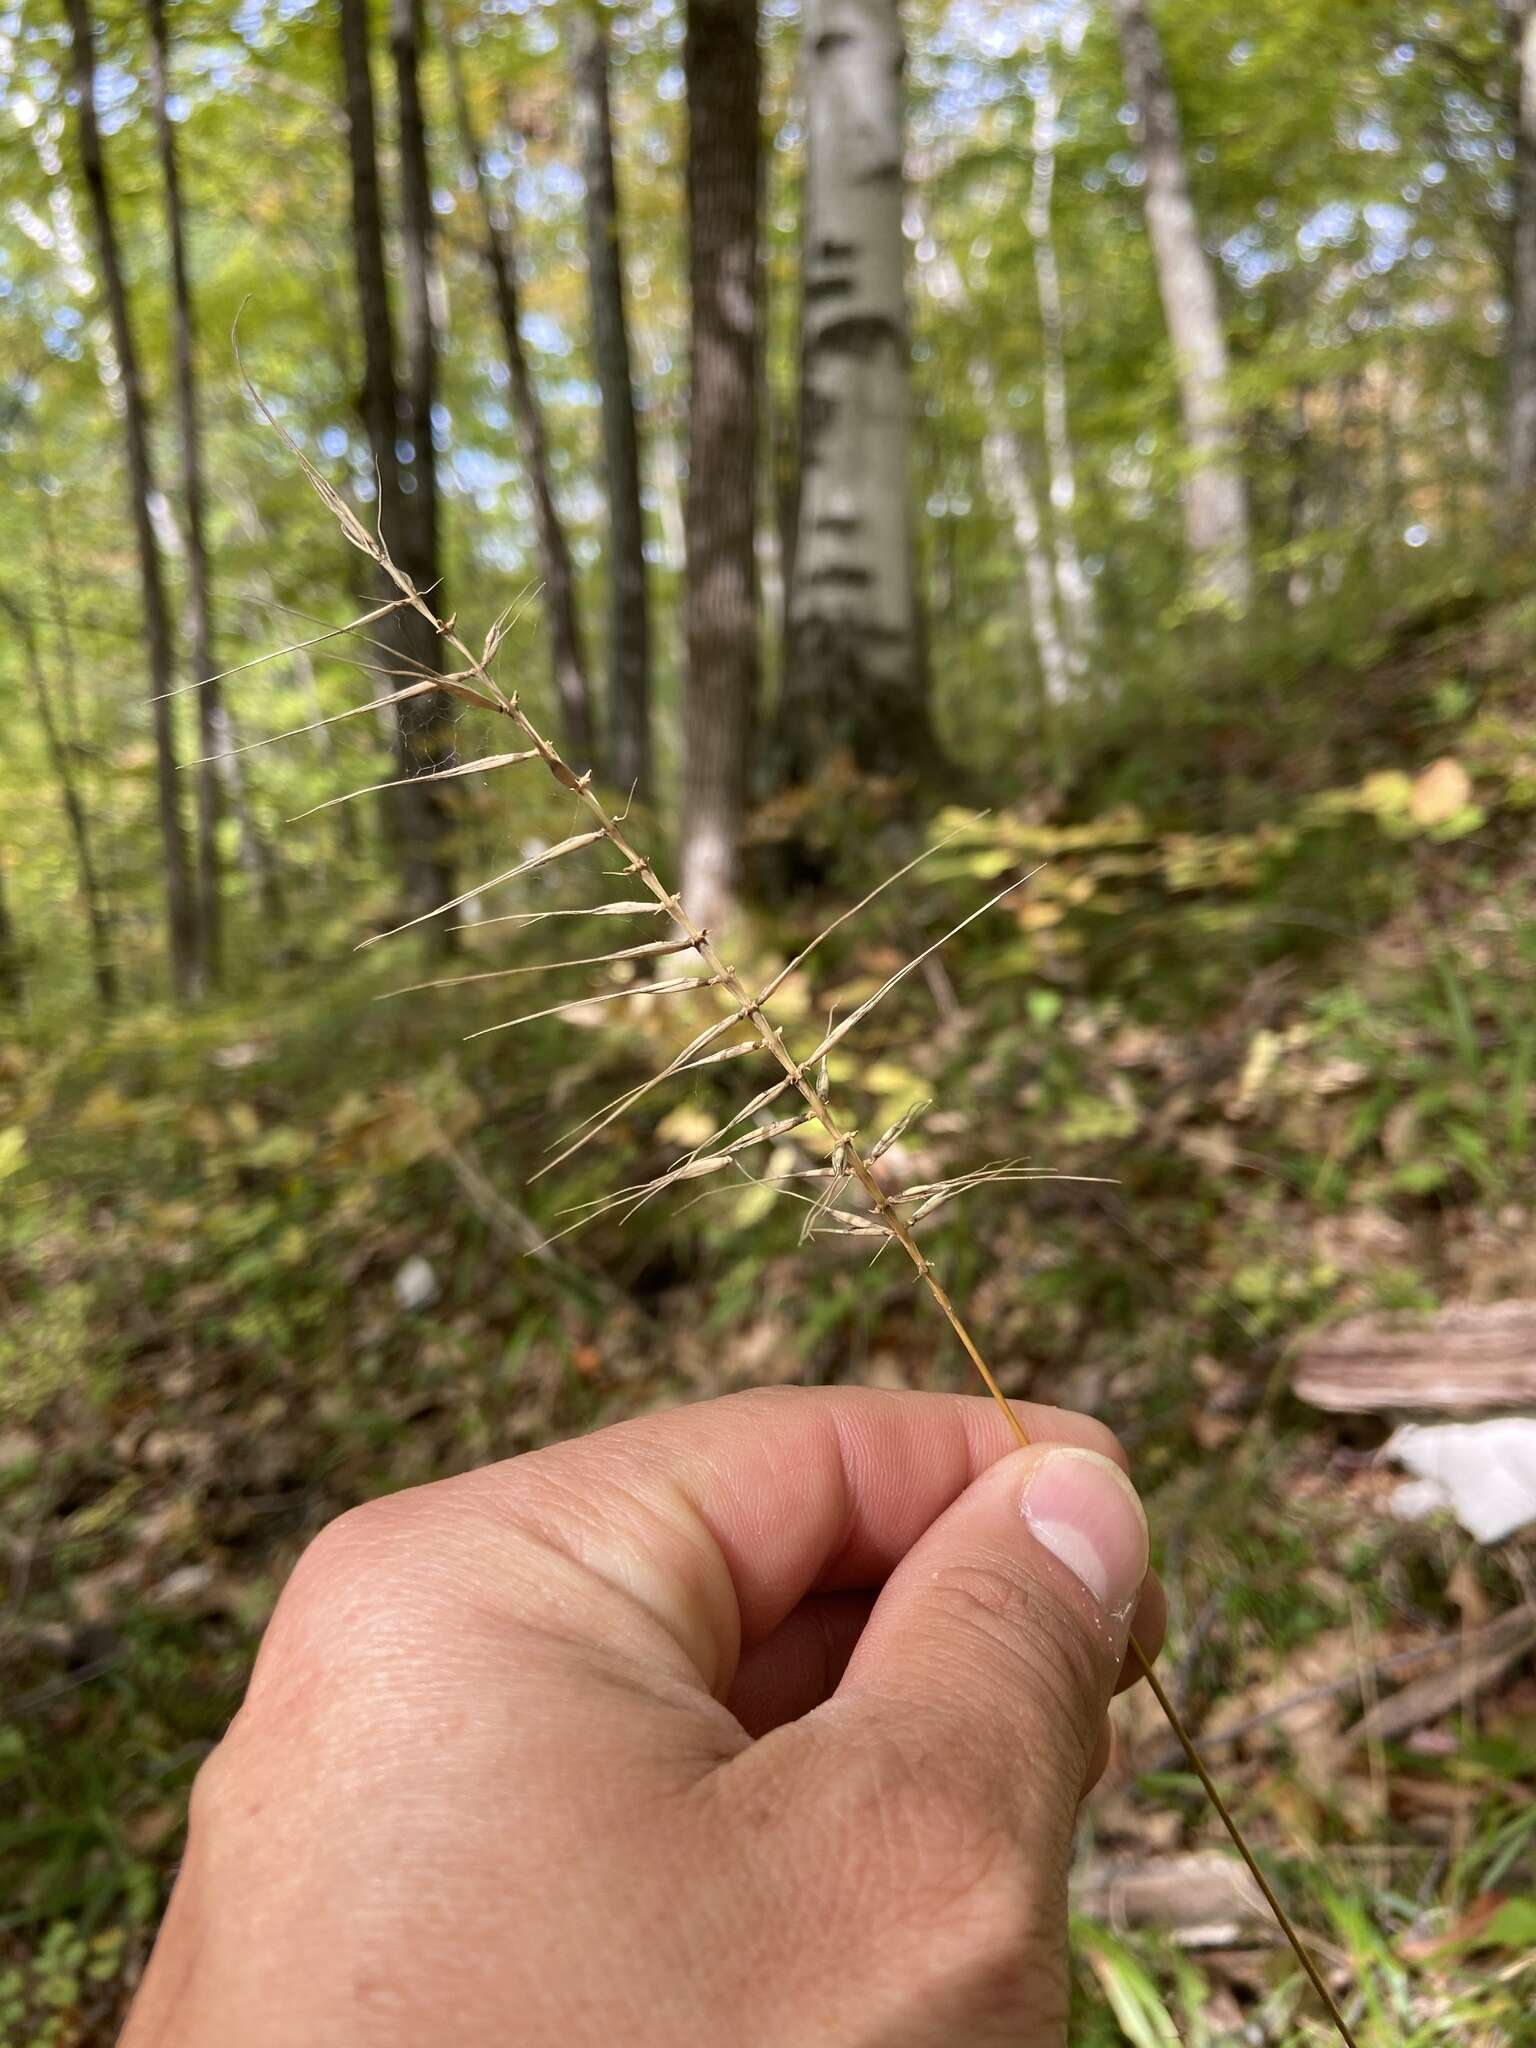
(1085, 1512)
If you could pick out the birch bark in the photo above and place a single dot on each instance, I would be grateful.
(855, 675)
(1215, 500)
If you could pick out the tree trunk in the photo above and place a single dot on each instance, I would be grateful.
(855, 677)
(424, 725)
(417, 393)
(212, 725)
(629, 679)
(1072, 583)
(561, 617)
(1007, 475)
(1520, 470)
(1215, 501)
(720, 609)
(1005, 470)
(76, 817)
(256, 855)
(13, 985)
(182, 921)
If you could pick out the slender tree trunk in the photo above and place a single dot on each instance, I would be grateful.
(720, 605)
(668, 471)
(784, 453)
(426, 723)
(561, 617)
(187, 973)
(417, 395)
(82, 743)
(855, 677)
(1008, 476)
(13, 986)
(212, 725)
(76, 817)
(1520, 469)
(255, 854)
(1215, 501)
(1298, 508)
(59, 604)
(1072, 583)
(629, 677)
(1006, 472)
(392, 421)
(377, 400)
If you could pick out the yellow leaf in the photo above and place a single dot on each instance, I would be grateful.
(687, 1125)
(1388, 793)
(1440, 792)
(13, 1150)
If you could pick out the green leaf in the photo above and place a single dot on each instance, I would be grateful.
(1133, 1996)
(1512, 1926)
(13, 1150)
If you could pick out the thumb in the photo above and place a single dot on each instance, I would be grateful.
(996, 1644)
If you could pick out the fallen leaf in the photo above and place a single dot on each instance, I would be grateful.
(1493, 1920)
(1440, 792)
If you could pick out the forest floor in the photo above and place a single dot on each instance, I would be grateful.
(263, 1261)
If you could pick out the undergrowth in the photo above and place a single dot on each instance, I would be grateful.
(268, 1259)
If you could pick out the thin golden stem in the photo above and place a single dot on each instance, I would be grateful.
(1224, 1814)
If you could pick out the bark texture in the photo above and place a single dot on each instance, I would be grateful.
(213, 731)
(1520, 472)
(1215, 499)
(562, 620)
(628, 750)
(720, 609)
(855, 676)
(183, 925)
(393, 421)
(1472, 1355)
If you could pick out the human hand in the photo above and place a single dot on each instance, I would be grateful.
(759, 1722)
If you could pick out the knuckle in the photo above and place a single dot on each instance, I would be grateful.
(343, 1600)
(210, 1790)
(347, 1563)
(1003, 1609)
(986, 1593)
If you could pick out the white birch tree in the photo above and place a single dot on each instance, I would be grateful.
(855, 676)
(1215, 499)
